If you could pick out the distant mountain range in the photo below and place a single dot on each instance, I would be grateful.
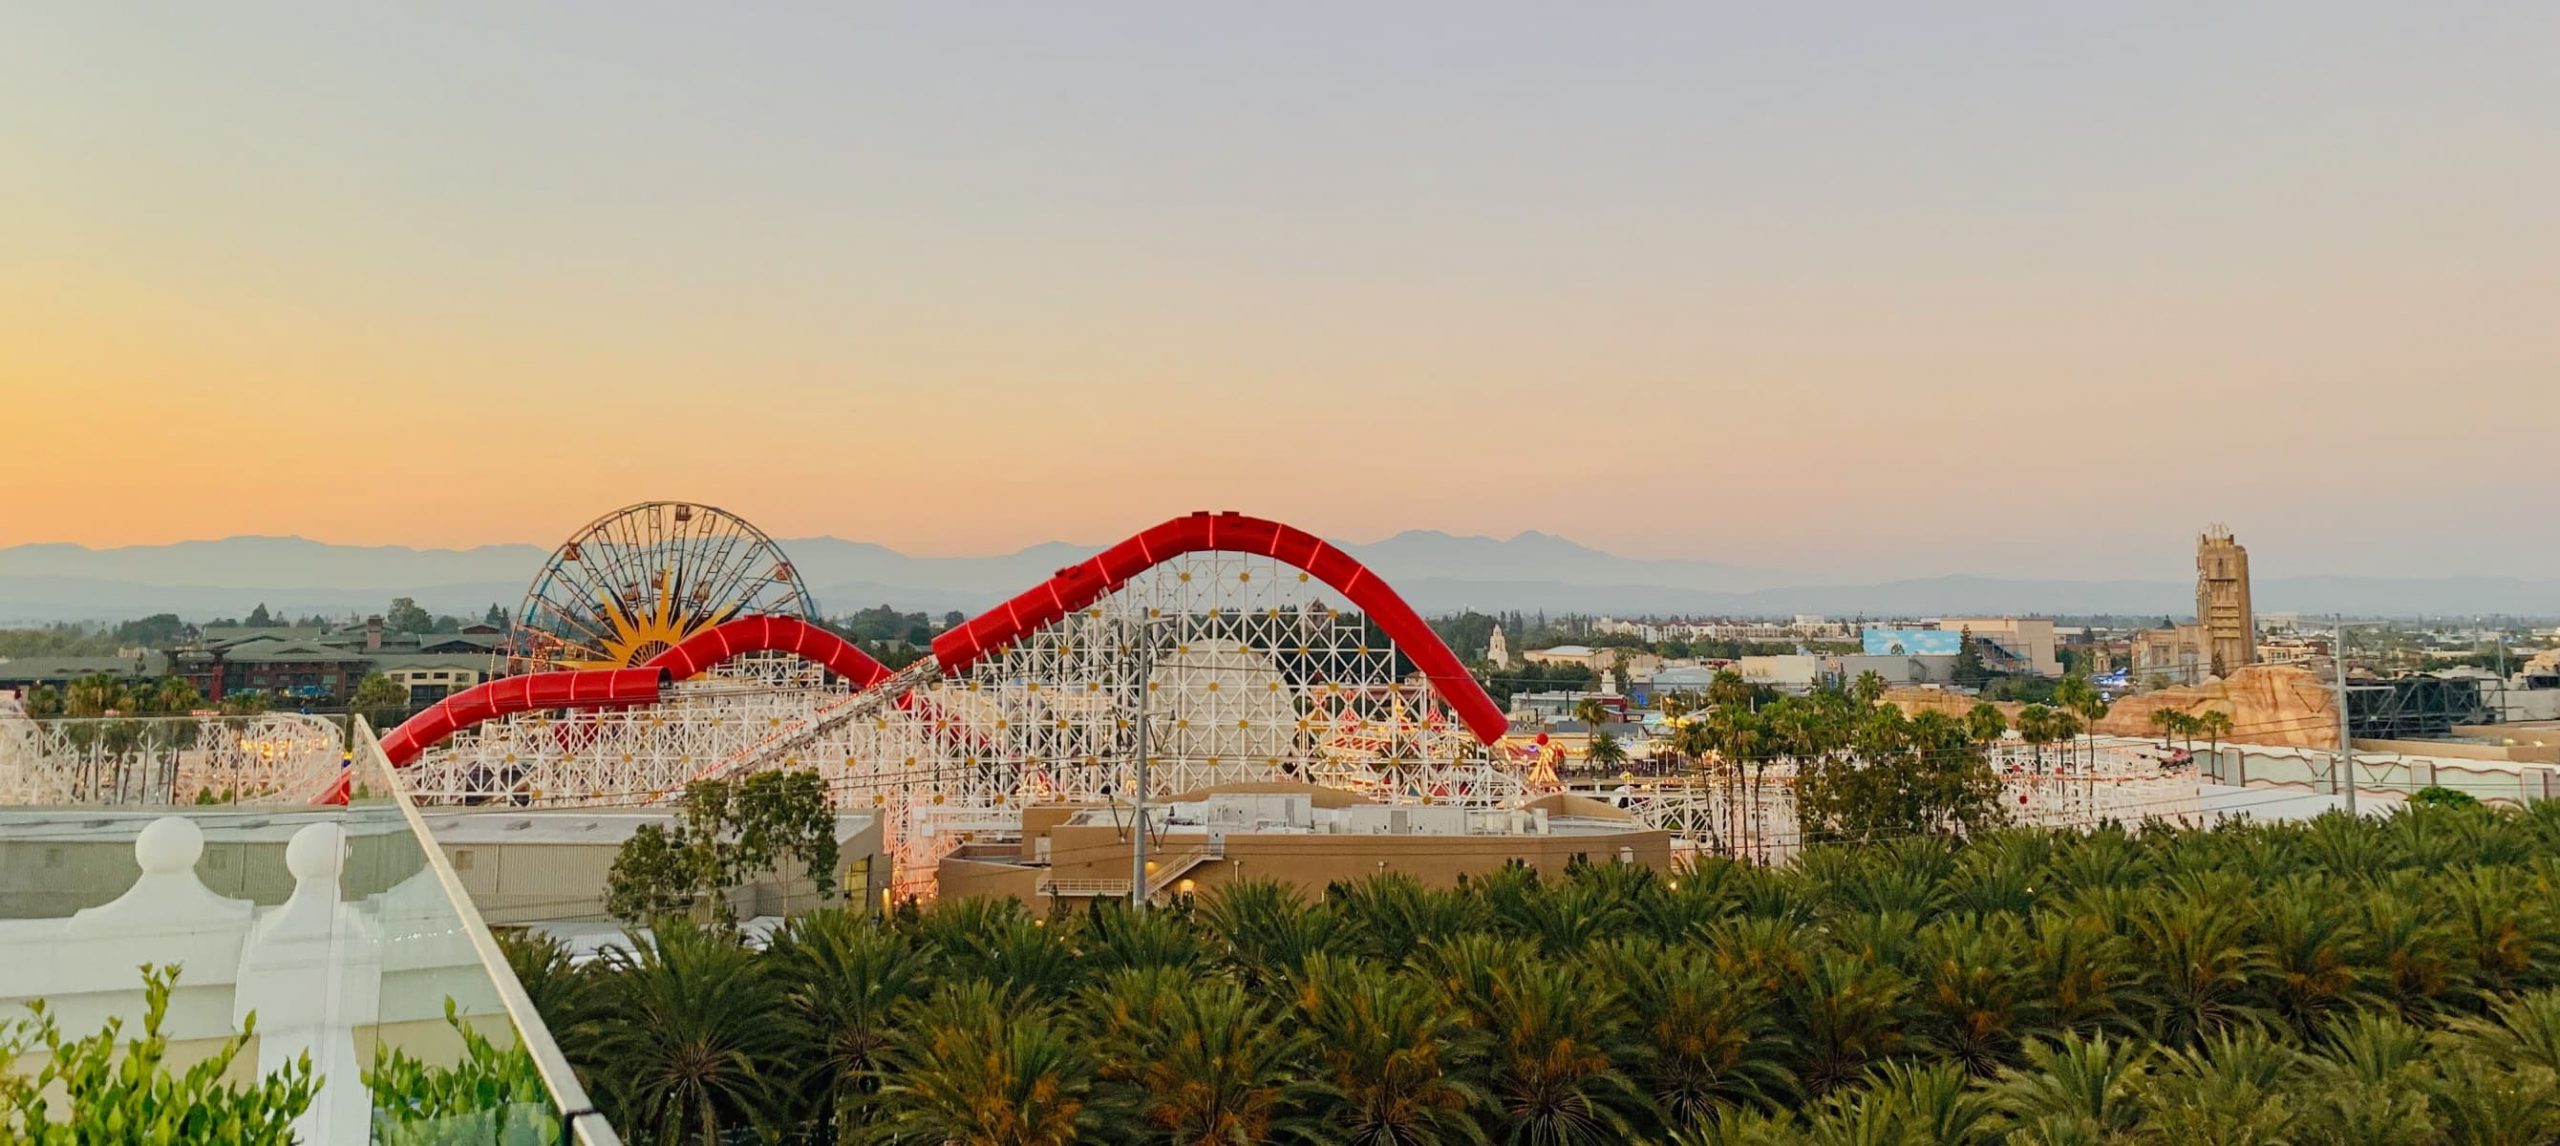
(1437, 572)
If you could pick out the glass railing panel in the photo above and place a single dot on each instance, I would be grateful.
(269, 931)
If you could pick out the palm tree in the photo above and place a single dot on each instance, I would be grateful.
(2080, 698)
(1977, 989)
(1592, 712)
(844, 980)
(2312, 954)
(96, 695)
(1198, 1061)
(2215, 724)
(1557, 1042)
(2075, 1090)
(1393, 1056)
(2203, 968)
(1869, 688)
(1985, 723)
(1606, 752)
(2063, 727)
(2233, 1088)
(981, 1065)
(1740, 738)
(2035, 726)
(1847, 1010)
(176, 696)
(1708, 1043)
(1555, 1039)
(1266, 930)
(1112, 936)
(698, 1047)
(1693, 738)
(2165, 722)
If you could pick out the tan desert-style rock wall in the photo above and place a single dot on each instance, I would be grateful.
(2269, 704)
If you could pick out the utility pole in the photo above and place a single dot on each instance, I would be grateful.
(1138, 788)
(2346, 746)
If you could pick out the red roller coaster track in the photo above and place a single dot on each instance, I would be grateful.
(1085, 582)
(1073, 588)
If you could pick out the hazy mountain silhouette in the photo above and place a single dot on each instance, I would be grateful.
(1437, 571)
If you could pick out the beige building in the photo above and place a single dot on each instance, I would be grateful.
(2178, 655)
(1300, 834)
(2222, 602)
(430, 677)
(2029, 642)
(526, 866)
(1639, 664)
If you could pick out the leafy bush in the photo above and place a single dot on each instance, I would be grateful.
(490, 1098)
(127, 1095)
(2440, 797)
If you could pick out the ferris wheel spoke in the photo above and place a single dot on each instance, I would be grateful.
(639, 580)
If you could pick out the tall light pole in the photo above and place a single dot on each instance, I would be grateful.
(2346, 746)
(1138, 772)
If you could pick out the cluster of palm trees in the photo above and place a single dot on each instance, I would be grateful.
(2213, 724)
(101, 693)
(2075, 712)
(2340, 980)
(1855, 767)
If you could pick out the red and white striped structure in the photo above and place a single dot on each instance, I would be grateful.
(1249, 649)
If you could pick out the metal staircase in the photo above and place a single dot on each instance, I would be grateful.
(1169, 870)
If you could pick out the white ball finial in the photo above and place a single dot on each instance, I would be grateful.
(169, 844)
(315, 852)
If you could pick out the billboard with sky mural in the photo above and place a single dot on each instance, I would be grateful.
(1913, 642)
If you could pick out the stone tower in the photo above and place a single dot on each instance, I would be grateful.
(2222, 601)
(1498, 652)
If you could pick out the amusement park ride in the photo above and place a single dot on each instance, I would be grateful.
(672, 642)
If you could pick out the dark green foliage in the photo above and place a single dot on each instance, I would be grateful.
(731, 832)
(95, 1089)
(2444, 798)
(2385, 981)
(492, 1095)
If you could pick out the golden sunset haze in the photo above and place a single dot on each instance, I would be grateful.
(2003, 287)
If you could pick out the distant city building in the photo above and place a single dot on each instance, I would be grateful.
(322, 666)
(1556, 707)
(1299, 834)
(1497, 652)
(24, 673)
(1791, 672)
(1681, 678)
(2222, 601)
(2179, 654)
(2223, 639)
(2012, 644)
(430, 677)
(1638, 662)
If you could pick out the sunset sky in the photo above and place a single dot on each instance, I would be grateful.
(2023, 289)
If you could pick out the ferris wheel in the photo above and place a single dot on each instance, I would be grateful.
(636, 581)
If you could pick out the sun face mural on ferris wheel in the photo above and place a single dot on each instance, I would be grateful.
(640, 579)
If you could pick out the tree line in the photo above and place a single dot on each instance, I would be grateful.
(2339, 980)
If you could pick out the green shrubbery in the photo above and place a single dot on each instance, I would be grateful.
(125, 1093)
(2387, 981)
(491, 1098)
